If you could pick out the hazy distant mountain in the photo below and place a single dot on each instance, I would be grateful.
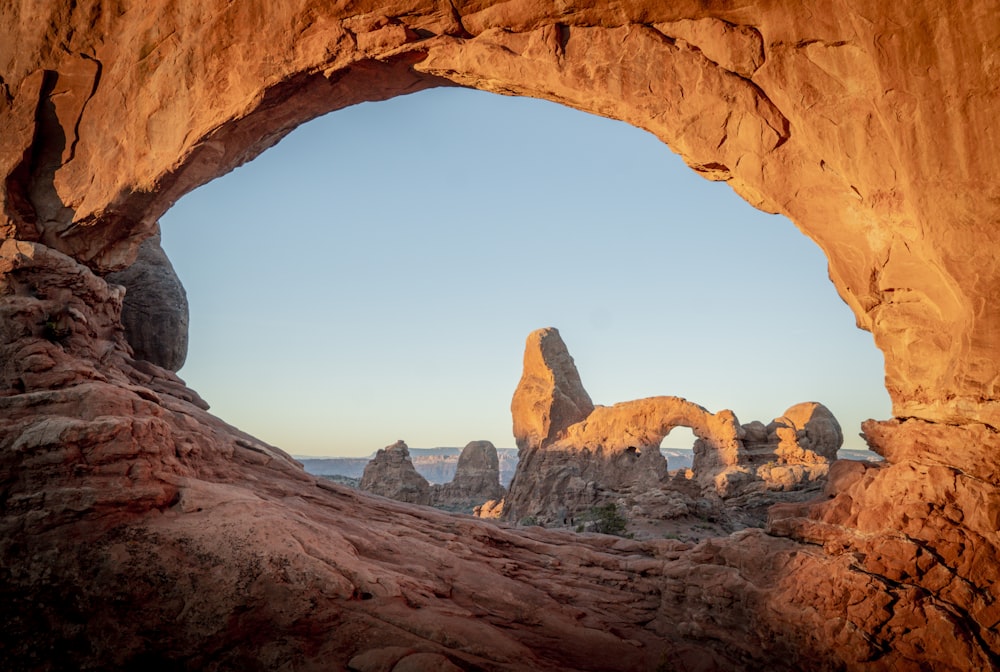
(437, 465)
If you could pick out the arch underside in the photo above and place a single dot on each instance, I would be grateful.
(845, 120)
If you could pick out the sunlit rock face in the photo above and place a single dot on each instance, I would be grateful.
(138, 531)
(614, 451)
(550, 395)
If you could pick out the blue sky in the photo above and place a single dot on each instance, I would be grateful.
(373, 277)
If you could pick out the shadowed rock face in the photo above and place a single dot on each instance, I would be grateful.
(391, 474)
(476, 481)
(155, 311)
(137, 530)
(477, 478)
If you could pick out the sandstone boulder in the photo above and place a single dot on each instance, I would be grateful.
(794, 450)
(807, 432)
(155, 311)
(391, 474)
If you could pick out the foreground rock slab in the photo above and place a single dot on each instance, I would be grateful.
(139, 531)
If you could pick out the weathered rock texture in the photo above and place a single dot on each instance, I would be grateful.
(138, 531)
(476, 481)
(391, 474)
(795, 448)
(155, 312)
(477, 478)
(615, 450)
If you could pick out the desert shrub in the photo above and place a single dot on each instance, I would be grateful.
(607, 519)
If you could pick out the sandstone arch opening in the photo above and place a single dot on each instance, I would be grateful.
(446, 298)
(679, 437)
(678, 447)
(871, 127)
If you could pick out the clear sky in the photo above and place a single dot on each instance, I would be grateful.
(373, 277)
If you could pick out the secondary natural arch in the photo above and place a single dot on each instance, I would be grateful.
(846, 120)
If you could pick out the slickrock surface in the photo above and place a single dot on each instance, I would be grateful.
(391, 474)
(137, 531)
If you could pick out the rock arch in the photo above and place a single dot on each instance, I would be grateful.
(718, 86)
(871, 127)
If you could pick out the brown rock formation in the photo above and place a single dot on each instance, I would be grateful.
(615, 450)
(807, 432)
(796, 448)
(391, 474)
(155, 311)
(476, 481)
(138, 531)
(550, 396)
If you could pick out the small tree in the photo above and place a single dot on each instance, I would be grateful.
(608, 520)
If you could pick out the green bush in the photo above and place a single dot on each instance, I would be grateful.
(607, 519)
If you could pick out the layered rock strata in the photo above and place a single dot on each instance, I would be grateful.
(138, 531)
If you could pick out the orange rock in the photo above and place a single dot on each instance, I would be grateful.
(138, 531)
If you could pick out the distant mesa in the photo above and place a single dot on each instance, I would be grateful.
(391, 473)
(574, 457)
